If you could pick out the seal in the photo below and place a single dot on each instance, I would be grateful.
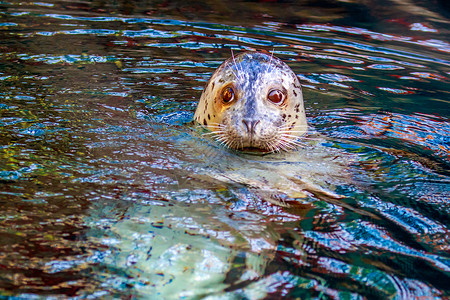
(253, 102)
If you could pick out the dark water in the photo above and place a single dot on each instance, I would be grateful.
(106, 191)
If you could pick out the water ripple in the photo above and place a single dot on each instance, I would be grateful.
(108, 190)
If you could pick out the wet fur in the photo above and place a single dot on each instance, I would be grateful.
(253, 75)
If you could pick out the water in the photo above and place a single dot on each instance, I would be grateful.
(108, 191)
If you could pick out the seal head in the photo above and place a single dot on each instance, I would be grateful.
(254, 103)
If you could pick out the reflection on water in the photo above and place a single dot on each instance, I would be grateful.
(108, 191)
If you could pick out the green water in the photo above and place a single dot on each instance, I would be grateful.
(108, 191)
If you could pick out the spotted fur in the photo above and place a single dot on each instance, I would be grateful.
(272, 127)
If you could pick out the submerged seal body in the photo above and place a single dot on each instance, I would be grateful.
(253, 102)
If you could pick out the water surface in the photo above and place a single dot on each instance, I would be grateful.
(107, 190)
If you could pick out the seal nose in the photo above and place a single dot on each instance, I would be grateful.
(250, 125)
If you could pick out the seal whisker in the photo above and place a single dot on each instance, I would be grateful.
(237, 68)
(269, 146)
(294, 145)
(310, 138)
(210, 133)
(286, 142)
(283, 146)
(231, 144)
(288, 136)
(290, 131)
(274, 146)
(218, 130)
(291, 142)
(234, 73)
(215, 124)
(291, 136)
(289, 128)
(225, 143)
(234, 61)
(270, 61)
(222, 138)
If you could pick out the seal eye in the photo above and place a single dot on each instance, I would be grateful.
(276, 96)
(227, 95)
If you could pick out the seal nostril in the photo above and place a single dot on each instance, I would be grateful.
(254, 125)
(246, 125)
(250, 125)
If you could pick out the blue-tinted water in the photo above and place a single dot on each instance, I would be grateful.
(108, 191)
